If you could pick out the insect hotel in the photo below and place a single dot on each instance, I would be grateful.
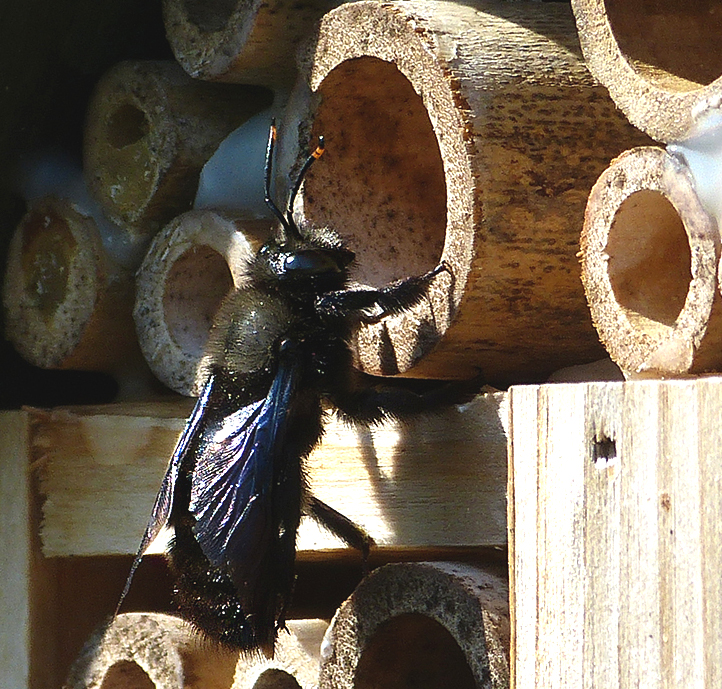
(552, 173)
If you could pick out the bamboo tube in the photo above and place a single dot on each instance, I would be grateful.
(649, 255)
(154, 651)
(660, 60)
(246, 42)
(445, 622)
(149, 130)
(469, 133)
(65, 299)
(190, 267)
(163, 652)
(295, 662)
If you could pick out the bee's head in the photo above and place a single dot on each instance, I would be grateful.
(316, 259)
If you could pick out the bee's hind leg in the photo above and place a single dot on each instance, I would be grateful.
(339, 525)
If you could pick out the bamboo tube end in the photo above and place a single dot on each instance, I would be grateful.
(191, 265)
(57, 292)
(295, 662)
(241, 42)
(150, 650)
(383, 180)
(149, 130)
(661, 63)
(649, 253)
(207, 37)
(439, 150)
(444, 621)
(129, 144)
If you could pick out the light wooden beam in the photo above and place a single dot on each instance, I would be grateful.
(438, 481)
(614, 507)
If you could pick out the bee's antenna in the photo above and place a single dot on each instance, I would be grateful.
(288, 228)
(315, 155)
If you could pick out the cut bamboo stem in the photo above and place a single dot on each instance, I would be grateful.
(469, 133)
(649, 255)
(163, 652)
(191, 265)
(246, 42)
(444, 622)
(660, 60)
(66, 301)
(150, 128)
(295, 662)
(151, 650)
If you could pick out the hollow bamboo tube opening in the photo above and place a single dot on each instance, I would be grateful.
(294, 665)
(649, 261)
(382, 171)
(444, 622)
(413, 646)
(150, 651)
(196, 284)
(250, 42)
(150, 128)
(469, 134)
(64, 298)
(191, 265)
(661, 60)
(126, 674)
(649, 254)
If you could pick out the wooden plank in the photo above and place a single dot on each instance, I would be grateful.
(522, 518)
(560, 502)
(15, 545)
(602, 428)
(710, 438)
(437, 481)
(624, 511)
(29, 642)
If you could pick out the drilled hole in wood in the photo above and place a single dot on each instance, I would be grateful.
(276, 679)
(381, 182)
(670, 41)
(604, 452)
(649, 261)
(126, 126)
(127, 675)
(196, 285)
(413, 650)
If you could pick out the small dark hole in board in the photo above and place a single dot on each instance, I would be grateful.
(604, 451)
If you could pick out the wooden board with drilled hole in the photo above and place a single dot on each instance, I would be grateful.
(615, 545)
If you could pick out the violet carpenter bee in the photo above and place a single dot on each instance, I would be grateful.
(234, 491)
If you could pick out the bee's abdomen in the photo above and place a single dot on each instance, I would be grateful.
(208, 599)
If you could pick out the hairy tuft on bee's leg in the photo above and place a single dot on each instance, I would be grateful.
(348, 531)
(369, 399)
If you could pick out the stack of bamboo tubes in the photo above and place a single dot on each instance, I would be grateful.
(474, 141)
(445, 622)
(469, 133)
(651, 242)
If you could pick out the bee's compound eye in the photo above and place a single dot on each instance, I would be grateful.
(310, 263)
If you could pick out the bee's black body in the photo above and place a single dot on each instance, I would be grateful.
(235, 491)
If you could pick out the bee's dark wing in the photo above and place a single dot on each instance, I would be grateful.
(164, 500)
(231, 484)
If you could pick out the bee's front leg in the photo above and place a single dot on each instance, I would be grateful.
(370, 305)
